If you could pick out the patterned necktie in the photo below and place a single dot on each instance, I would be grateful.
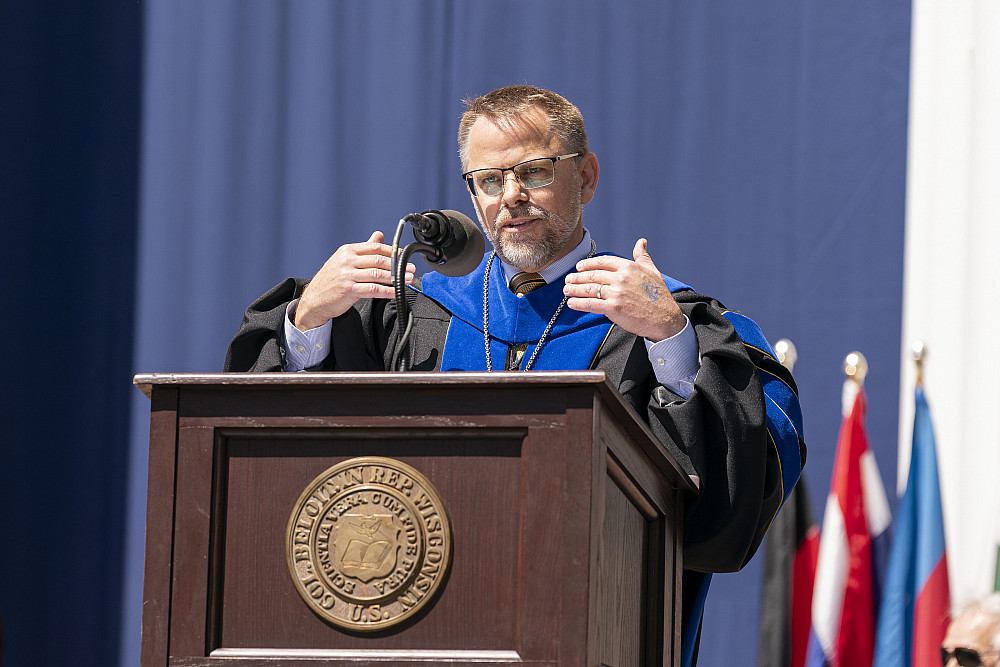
(525, 282)
(520, 285)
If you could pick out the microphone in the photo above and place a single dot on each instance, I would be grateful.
(457, 243)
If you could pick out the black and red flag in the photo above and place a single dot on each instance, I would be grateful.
(790, 552)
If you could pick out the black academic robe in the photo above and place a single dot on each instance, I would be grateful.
(722, 433)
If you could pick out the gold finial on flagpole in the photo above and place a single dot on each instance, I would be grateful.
(919, 350)
(787, 355)
(856, 367)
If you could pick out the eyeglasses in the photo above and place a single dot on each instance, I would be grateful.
(966, 657)
(531, 174)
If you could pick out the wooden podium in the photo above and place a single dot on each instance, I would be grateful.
(565, 520)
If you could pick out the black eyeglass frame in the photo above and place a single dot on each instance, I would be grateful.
(963, 656)
(467, 176)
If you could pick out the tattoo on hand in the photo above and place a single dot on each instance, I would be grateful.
(652, 290)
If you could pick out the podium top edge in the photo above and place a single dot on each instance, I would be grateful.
(146, 381)
(597, 380)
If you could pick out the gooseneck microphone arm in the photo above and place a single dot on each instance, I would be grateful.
(401, 358)
(447, 239)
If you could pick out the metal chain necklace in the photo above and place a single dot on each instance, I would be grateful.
(486, 313)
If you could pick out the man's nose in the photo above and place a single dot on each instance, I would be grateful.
(513, 191)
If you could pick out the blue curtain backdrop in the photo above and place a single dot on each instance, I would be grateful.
(69, 137)
(760, 147)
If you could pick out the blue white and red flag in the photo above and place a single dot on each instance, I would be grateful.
(915, 601)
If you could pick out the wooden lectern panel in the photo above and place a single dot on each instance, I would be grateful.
(265, 478)
(564, 515)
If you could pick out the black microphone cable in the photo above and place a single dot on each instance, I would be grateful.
(448, 239)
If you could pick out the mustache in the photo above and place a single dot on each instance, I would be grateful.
(520, 211)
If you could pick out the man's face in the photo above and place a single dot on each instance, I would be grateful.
(974, 629)
(530, 228)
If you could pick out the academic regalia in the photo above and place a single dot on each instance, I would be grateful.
(572, 343)
(742, 444)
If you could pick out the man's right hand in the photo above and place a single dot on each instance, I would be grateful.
(355, 271)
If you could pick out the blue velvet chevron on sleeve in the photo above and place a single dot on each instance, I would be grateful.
(784, 416)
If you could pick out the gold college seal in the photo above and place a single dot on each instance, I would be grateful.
(368, 543)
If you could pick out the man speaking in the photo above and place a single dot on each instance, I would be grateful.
(546, 298)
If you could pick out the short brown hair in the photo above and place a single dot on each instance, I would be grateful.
(503, 104)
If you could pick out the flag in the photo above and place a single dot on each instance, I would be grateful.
(790, 552)
(915, 602)
(852, 550)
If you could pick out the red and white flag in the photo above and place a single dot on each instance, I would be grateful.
(853, 549)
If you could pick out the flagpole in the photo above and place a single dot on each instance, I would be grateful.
(856, 367)
(919, 351)
(916, 598)
(854, 540)
(787, 354)
(790, 568)
(855, 370)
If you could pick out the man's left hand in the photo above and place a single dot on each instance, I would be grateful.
(633, 295)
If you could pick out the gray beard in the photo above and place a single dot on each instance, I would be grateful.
(535, 253)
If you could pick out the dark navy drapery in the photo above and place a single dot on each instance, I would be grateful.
(69, 150)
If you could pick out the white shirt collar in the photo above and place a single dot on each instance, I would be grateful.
(561, 266)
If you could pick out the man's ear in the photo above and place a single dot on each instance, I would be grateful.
(590, 170)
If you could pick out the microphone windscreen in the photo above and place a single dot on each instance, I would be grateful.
(464, 251)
